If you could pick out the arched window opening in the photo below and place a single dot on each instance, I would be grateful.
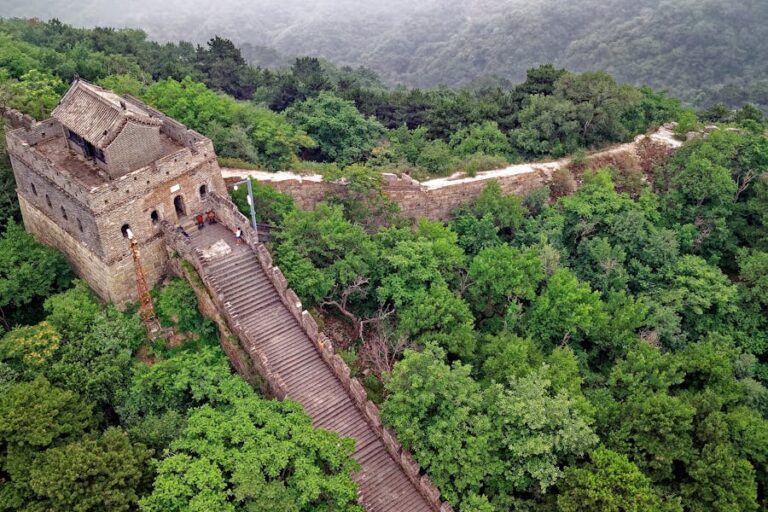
(64, 213)
(154, 216)
(178, 204)
(34, 189)
(203, 191)
(126, 230)
(48, 201)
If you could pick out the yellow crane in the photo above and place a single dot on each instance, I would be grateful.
(146, 306)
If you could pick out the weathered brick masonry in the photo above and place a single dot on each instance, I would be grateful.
(105, 168)
(103, 164)
(436, 199)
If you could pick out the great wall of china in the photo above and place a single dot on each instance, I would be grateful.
(79, 197)
(437, 198)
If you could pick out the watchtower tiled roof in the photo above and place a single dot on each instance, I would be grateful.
(98, 115)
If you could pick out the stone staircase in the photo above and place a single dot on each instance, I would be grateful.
(281, 347)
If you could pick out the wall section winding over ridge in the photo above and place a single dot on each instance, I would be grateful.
(436, 199)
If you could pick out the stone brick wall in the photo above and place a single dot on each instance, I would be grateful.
(228, 215)
(59, 205)
(89, 220)
(436, 199)
(114, 282)
(15, 118)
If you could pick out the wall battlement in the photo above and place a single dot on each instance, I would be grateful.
(84, 207)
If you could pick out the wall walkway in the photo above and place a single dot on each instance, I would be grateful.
(298, 362)
(435, 199)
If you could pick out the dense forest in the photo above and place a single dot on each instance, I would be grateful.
(311, 112)
(604, 348)
(703, 51)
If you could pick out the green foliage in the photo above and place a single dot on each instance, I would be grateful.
(721, 481)
(238, 130)
(57, 414)
(522, 433)
(97, 472)
(320, 249)
(435, 410)
(255, 454)
(176, 306)
(176, 385)
(488, 220)
(485, 138)
(753, 267)
(343, 134)
(565, 310)
(548, 127)
(35, 93)
(610, 483)
(271, 206)
(687, 122)
(81, 346)
(502, 276)
(537, 428)
(362, 196)
(29, 272)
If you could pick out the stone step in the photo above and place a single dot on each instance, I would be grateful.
(252, 302)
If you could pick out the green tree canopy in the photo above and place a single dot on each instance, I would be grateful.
(343, 134)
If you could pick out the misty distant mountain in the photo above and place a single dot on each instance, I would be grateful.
(685, 46)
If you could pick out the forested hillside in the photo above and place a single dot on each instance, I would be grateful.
(690, 47)
(315, 112)
(593, 348)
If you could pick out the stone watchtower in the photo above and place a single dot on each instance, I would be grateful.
(104, 164)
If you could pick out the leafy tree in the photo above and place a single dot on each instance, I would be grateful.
(610, 483)
(700, 293)
(540, 80)
(98, 364)
(74, 312)
(97, 472)
(436, 314)
(343, 134)
(489, 219)
(9, 204)
(255, 454)
(566, 309)
(57, 414)
(224, 68)
(721, 481)
(321, 249)
(362, 196)
(753, 267)
(656, 452)
(271, 206)
(274, 141)
(35, 93)
(501, 276)
(549, 126)
(55, 417)
(29, 272)
(599, 105)
(154, 405)
(536, 430)
(28, 350)
(485, 138)
(436, 410)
